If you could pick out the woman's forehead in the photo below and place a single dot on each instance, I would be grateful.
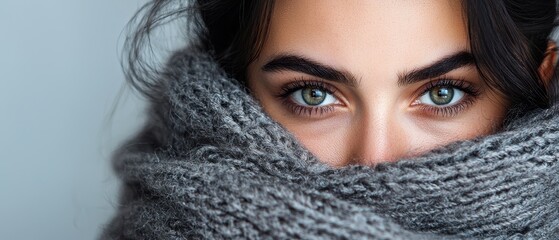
(355, 35)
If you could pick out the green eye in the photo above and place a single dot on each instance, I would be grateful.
(441, 95)
(313, 96)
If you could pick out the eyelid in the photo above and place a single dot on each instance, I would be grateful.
(303, 83)
(309, 111)
(470, 90)
(449, 111)
(461, 84)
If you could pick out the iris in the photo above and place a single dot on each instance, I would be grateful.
(441, 95)
(313, 96)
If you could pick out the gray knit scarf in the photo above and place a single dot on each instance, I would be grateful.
(210, 164)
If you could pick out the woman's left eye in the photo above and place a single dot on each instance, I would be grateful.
(313, 97)
(442, 96)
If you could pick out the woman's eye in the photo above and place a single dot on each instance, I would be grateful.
(313, 97)
(442, 96)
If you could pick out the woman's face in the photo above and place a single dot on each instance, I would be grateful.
(362, 82)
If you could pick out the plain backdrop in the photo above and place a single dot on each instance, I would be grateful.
(59, 80)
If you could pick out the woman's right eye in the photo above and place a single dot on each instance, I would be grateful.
(313, 97)
(309, 98)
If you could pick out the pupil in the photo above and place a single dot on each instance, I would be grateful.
(316, 94)
(313, 96)
(441, 95)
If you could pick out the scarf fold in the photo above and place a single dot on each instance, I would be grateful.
(211, 164)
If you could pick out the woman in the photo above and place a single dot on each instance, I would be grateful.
(362, 119)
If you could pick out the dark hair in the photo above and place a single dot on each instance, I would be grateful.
(508, 39)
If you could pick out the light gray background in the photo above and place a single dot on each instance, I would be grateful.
(59, 79)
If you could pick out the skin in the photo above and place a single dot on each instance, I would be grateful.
(373, 116)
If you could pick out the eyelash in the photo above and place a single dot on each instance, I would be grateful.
(471, 96)
(291, 87)
(450, 111)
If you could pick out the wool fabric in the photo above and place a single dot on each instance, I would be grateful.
(210, 164)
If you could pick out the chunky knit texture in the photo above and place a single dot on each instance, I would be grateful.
(211, 164)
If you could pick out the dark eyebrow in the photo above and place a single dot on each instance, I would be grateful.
(437, 69)
(311, 67)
